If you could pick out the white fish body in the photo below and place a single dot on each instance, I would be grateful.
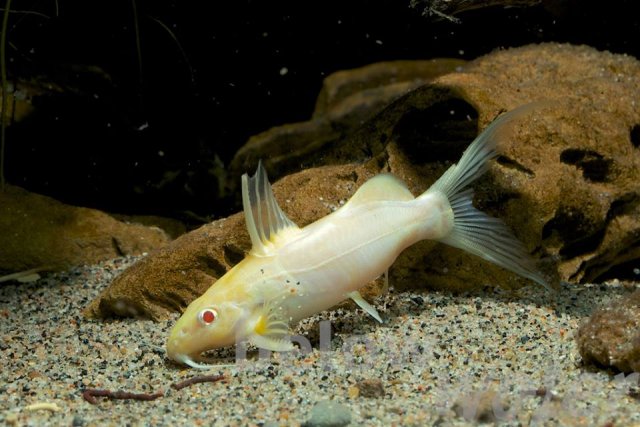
(345, 250)
(292, 273)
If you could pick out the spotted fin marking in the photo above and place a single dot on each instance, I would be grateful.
(264, 218)
(363, 304)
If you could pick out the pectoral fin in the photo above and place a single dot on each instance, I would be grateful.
(271, 330)
(273, 344)
(363, 304)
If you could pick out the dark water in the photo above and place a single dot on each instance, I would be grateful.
(152, 104)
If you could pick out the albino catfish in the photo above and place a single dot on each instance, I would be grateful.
(292, 273)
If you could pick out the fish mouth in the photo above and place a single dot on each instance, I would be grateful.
(175, 344)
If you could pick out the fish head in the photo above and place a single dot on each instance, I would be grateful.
(208, 323)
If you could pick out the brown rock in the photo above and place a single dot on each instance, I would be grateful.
(40, 232)
(379, 77)
(173, 227)
(347, 100)
(566, 181)
(573, 169)
(611, 336)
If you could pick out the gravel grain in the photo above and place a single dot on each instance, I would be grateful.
(437, 357)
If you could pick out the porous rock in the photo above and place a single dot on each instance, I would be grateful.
(347, 100)
(611, 336)
(566, 181)
(39, 232)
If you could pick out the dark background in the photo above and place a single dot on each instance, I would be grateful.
(149, 131)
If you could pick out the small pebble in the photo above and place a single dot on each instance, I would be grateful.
(329, 414)
(353, 392)
(371, 388)
(77, 421)
(11, 419)
(480, 407)
(417, 300)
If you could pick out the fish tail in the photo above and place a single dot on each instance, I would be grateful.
(473, 230)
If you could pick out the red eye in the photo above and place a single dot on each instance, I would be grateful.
(207, 316)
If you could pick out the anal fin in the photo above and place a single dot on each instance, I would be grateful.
(363, 304)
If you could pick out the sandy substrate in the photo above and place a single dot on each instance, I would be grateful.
(438, 359)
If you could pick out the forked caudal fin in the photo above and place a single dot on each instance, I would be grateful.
(474, 231)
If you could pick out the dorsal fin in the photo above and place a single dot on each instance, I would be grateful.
(383, 187)
(262, 214)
